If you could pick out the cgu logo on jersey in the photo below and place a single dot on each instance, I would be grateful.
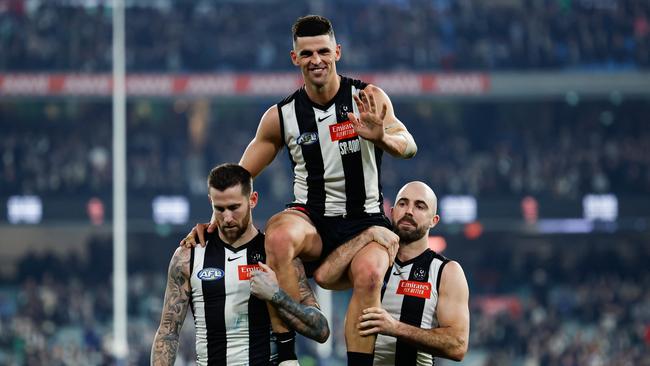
(210, 274)
(307, 138)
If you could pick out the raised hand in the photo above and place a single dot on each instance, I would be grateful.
(370, 124)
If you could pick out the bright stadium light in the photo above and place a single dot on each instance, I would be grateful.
(458, 209)
(170, 210)
(24, 209)
(600, 207)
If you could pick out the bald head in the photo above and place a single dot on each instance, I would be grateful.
(419, 191)
(414, 212)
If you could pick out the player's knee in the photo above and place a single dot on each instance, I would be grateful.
(368, 275)
(280, 244)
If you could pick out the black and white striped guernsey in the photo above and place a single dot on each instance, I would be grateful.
(336, 172)
(232, 326)
(410, 294)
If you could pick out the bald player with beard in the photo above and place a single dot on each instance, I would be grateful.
(424, 309)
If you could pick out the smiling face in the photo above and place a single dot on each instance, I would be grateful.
(316, 56)
(232, 210)
(414, 212)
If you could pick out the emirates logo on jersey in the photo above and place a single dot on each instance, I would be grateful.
(414, 288)
(246, 271)
(343, 130)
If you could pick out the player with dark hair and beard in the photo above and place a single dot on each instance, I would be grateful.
(424, 309)
(227, 286)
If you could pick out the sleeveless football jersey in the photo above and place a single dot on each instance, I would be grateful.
(232, 326)
(336, 172)
(410, 294)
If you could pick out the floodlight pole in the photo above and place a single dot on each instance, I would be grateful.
(119, 188)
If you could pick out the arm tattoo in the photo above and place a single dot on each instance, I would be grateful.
(307, 297)
(175, 306)
(306, 320)
(306, 317)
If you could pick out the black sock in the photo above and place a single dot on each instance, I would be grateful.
(286, 345)
(360, 359)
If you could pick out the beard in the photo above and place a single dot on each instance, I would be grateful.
(234, 232)
(409, 235)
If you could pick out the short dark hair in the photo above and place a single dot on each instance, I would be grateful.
(229, 175)
(312, 25)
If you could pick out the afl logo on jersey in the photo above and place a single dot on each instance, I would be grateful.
(307, 138)
(210, 274)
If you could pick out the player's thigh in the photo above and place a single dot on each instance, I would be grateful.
(295, 229)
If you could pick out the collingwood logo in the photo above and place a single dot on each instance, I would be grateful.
(256, 257)
(307, 138)
(343, 112)
(419, 274)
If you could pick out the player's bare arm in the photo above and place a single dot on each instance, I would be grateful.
(450, 339)
(377, 123)
(261, 151)
(332, 273)
(304, 317)
(176, 303)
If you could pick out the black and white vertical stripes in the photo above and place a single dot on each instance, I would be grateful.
(336, 172)
(232, 327)
(410, 294)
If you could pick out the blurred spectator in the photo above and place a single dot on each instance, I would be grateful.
(193, 36)
(543, 149)
(591, 309)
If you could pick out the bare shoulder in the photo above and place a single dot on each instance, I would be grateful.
(269, 128)
(271, 115)
(182, 254)
(261, 151)
(453, 277)
(181, 260)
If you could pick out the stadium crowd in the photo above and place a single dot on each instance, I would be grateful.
(201, 36)
(484, 149)
(535, 303)
(540, 303)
